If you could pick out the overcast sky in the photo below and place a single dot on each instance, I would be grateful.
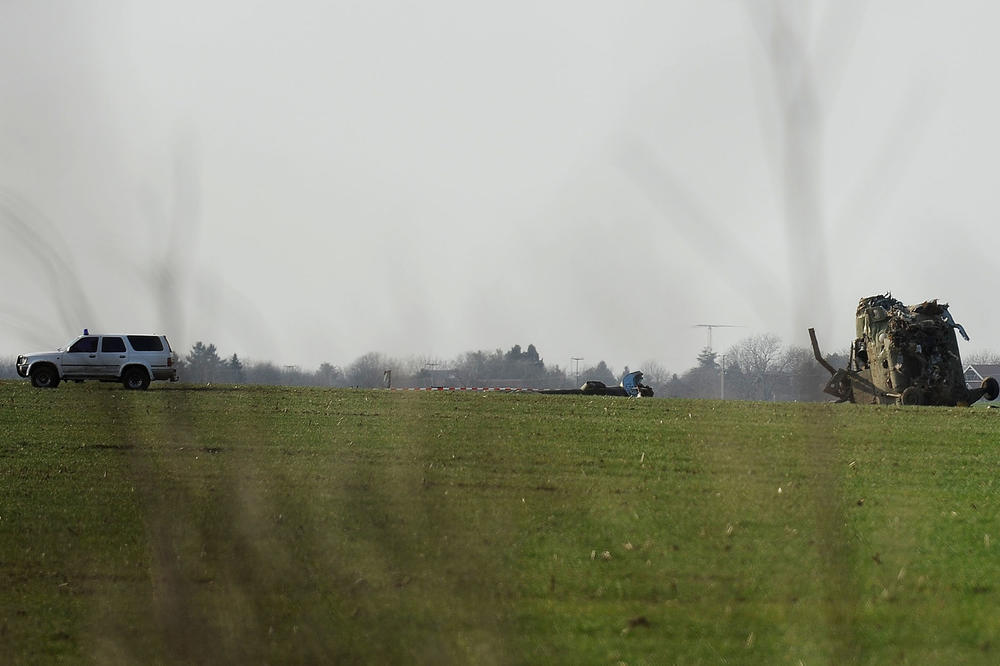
(310, 181)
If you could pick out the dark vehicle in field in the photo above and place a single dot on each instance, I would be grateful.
(630, 386)
(904, 355)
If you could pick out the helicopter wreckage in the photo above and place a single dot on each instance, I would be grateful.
(904, 355)
(631, 386)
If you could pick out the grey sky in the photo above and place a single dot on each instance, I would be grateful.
(309, 181)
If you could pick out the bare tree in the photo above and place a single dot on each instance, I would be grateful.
(329, 375)
(757, 358)
(654, 374)
(983, 357)
(368, 370)
(758, 354)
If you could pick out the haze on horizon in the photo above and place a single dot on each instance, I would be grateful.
(307, 182)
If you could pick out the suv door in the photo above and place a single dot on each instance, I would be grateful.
(111, 357)
(81, 357)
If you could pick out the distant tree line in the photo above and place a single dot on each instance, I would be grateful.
(515, 367)
(756, 368)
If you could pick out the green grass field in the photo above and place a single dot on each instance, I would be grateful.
(282, 525)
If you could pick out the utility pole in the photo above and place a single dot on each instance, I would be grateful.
(722, 390)
(433, 370)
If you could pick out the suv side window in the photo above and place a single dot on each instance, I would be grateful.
(145, 343)
(112, 345)
(86, 345)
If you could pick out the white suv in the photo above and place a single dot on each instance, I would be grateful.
(133, 360)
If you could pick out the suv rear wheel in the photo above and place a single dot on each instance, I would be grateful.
(44, 376)
(135, 379)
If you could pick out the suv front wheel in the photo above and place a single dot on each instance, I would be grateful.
(44, 376)
(135, 379)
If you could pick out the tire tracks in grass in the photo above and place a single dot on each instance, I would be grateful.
(776, 474)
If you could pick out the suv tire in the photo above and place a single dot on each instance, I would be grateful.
(44, 376)
(135, 379)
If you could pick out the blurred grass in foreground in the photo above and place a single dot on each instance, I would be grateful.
(282, 525)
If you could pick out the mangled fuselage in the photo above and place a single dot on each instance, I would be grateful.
(631, 385)
(904, 354)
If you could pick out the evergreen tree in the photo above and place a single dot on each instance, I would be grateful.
(514, 354)
(203, 363)
(235, 367)
(706, 359)
(601, 373)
